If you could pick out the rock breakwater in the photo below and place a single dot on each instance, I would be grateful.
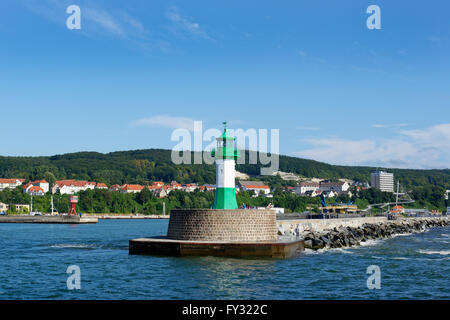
(352, 236)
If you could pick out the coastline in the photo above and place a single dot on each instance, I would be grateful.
(348, 236)
(124, 216)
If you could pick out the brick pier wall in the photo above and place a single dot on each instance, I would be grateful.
(222, 225)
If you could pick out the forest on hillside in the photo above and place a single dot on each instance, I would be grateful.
(142, 166)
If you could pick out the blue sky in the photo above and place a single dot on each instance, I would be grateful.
(337, 91)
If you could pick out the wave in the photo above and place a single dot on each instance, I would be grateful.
(401, 235)
(442, 253)
(371, 242)
(400, 258)
(329, 250)
(76, 246)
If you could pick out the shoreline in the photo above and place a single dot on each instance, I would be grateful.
(125, 216)
(345, 237)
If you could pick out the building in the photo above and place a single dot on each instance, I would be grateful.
(19, 207)
(306, 186)
(189, 187)
(10, 183)
(114, 187)
(257, 186)
(337, 187)
(35, 191)
(208, 187)
(36, 188)
(101, 186)
(131, 188)
(72, 186)
(382, 180)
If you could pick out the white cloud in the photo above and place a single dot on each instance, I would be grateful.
(104, 20)
(166, 121)
(389, 125)
(97, 21)
(184, 25)
(418, 149)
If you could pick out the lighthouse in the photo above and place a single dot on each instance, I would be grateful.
(225, 156)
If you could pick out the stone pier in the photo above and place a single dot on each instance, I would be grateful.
(224, 233)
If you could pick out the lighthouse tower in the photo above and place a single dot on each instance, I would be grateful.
(225, 157)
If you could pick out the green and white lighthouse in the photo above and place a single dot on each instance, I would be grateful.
(225, 157)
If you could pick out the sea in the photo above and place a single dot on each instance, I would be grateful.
(50, 261)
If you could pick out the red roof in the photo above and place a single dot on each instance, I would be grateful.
(132, 187)
(101, 185)
(10, 180)
(256, 187)
(74, 183)
(36, 189)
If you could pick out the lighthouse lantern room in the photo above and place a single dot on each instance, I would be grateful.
(225, 156)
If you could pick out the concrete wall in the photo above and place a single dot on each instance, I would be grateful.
(297, 227)
(222, 225)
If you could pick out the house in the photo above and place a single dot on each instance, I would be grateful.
(330, 194)
(190, 187)
(161, 193)
(208, 187)
(35, 191)
(305, 186)
(72, 186)
(36, 188)
(334, 186)
(19, 207)
(115, 187)
(175, 185)
(257, 186)
(131, 188)
(101, 186)
(10, 183)
(158, 183)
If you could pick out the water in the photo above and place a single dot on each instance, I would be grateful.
(34, 260)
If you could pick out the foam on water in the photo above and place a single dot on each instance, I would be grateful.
(442, 253)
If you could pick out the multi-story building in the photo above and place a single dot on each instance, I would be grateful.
(305, 186)
(10, 183)
(257, 186)
(382, 180)
(338, 187)
(72, 186)
(131, 188)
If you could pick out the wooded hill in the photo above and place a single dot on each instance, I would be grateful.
(141, 166)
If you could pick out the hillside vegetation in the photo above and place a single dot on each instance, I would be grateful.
(141, 166)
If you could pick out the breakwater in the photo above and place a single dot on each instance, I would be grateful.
(347, 236)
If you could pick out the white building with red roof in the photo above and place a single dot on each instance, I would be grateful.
(36, 187)
(101, 186)
(35, 191)
(257, 186)
(72, 186)
(10, 183)
(131, 188)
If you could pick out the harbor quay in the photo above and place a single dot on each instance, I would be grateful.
(60, 219)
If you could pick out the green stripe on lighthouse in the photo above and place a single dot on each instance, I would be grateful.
(225, 199)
